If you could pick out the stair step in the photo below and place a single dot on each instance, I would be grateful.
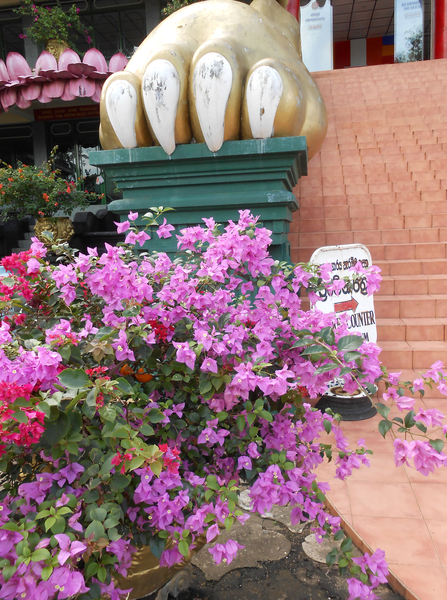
(412, 355)
(412, 267)
(411, 329)
(410, 306)
(402, 285)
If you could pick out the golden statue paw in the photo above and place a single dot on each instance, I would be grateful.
(229, 71)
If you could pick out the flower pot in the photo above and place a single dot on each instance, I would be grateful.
(351, 407)
(60, 228)
(56, 47)
(146, 577)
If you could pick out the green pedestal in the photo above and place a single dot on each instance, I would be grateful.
(257, 175)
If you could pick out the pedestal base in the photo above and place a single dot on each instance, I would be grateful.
(258, 175)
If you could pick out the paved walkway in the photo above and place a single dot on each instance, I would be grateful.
(396, 509)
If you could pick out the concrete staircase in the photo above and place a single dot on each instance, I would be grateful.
(381, 179)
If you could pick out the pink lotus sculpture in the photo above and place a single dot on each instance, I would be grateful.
(67, 79)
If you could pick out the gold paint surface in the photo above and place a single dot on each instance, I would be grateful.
(262, 32)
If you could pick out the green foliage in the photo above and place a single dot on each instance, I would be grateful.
(53, 23)
(39, 191)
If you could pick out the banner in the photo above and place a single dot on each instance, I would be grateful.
(408, 30)
(316, 35)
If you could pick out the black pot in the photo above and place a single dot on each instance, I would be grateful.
(351, 408)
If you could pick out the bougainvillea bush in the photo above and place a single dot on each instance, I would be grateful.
(137, 392)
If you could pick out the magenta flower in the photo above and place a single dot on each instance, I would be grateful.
(225, 552)
(122, 227)
(164, 230)
(360, 591)
(122, 350)
(209, 365)
(185, 354)
(68, 549)
(244, 462)
(67, 583)
(132, 216)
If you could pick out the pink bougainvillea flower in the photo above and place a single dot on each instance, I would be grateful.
(164, 230)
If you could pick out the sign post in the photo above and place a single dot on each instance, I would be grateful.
(355, 303)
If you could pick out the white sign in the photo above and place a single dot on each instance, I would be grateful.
(355, 303)
(316, 35)
(408, 30)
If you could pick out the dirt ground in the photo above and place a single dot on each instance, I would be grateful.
(295, 577)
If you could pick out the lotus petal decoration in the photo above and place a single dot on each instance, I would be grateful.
(4, 75)
(46, 64)
(117, 63)
(96, 59)
(31, 92)
(54, 89)
(98, 88)
(68, 57)
(22, 101)
(17, 66)
(82, 88)
(67, 95)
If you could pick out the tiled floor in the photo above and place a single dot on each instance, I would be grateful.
(396, 509)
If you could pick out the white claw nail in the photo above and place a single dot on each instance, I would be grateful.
(212, 83)
(264, 91)
(121, 105)
(161, 92)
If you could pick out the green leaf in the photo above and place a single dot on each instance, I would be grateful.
(8, 572)
(46, 573)
(383, 410)
(409, 419)
(343, 563)
(205, 386)
(327, 367)
(49, 523)
(92, 569)
(438, 445)
(119, 482)
(102, 574)
(352, 356)
(96, 529)
(136, 462)
(327, 425)
(40, 554)
(349, 343)
(58, 429)
(20, 416)
(183, 548)
(74, 378)
(328, 336)
(59, 526)
(384, 427)
(314, 350)
(339, 535)
(240, 422)
(124, 386)
(266, 415)
(346, 545)
(155, 415)
(98, 514)
(111, 522)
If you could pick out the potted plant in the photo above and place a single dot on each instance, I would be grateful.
(40, 192)
(99, 466)
(54, 26)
